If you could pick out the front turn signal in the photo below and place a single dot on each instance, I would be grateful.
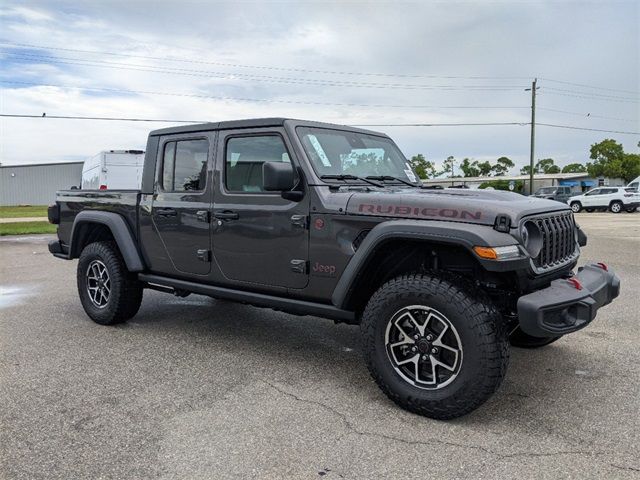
(497, 253)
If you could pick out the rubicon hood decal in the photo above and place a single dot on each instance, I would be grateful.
(418, 212)
(470, 206)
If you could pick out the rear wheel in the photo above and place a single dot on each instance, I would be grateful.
(520, 339)
(616, 207)
(432, 348)
(576, 207)
(109, 293)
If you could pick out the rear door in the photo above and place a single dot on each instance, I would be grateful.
(258, 236)
(182, 201)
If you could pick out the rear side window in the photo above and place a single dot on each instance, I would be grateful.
(184, 166)
(245, 157)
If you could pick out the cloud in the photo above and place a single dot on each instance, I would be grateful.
(293, 44)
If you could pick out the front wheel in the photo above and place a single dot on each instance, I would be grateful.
(109, 293)
(576, 207)
(616, 207)
(433, 348)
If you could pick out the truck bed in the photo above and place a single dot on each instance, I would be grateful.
(72, 202)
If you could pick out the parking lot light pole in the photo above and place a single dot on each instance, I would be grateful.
(533, 131)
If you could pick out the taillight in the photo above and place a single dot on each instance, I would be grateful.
(103, 187)
(53, 214)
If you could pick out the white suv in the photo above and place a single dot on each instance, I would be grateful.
(615, 199)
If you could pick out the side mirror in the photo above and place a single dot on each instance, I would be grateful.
(277, 176)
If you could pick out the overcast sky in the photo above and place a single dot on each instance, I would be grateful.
(344, 62)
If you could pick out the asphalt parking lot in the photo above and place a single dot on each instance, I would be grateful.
(199, 388)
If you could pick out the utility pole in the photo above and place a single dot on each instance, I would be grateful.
(533, 132)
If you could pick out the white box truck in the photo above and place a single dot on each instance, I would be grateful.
(113, 169)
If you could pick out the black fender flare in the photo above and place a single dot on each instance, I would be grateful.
(466, 235)
(120, 231)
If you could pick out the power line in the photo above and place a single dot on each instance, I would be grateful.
(256, 77)
(114, 119)
(123, 119)
(588, 115)
(591, 94)
(478, 124)
(244, 99)
(588, 86)
(589, 97)
(571, 127)
(262, 67)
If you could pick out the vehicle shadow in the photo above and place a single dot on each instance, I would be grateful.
(286, 347)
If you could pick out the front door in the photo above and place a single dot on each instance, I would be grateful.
(258, 236)
(182, 202)
(591, 198)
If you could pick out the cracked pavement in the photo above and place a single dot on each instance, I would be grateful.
(198, 388)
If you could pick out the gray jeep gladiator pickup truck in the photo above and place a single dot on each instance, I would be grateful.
(331, 221)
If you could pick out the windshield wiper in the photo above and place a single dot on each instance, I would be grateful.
(390, 177)
(350, 177)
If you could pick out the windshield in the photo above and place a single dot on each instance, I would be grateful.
(546, 191)
(339, 152)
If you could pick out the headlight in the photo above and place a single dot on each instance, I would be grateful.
(531, 238)
(498, 253)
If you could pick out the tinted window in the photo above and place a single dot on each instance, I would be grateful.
(593, 192)
(244, 159)
(184, 167)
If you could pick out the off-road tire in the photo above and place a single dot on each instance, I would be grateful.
(523, 340)
(576, 207)
(483, 342)
(126, 291)
(616, 207)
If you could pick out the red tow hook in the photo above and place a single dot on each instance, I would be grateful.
(575, 282)
(603, 266)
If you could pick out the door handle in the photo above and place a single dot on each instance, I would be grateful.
(166, 212)
(226, 215)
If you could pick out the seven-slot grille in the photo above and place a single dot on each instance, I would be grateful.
(558, 241)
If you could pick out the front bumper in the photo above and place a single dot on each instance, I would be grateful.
(568, 304)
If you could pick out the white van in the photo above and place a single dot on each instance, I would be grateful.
(113, 169)
(635, 184)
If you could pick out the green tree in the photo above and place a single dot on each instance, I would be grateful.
(630, 166)
(547, 165)
(607, 159)
(574, 168)
(448, 166)
(527, 169)
(469, 169)
(423, 167)
(485, 168)
(502, 166)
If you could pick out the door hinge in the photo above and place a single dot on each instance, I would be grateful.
(299, 221)
(204, 255)
(203, 216)
(299, 266)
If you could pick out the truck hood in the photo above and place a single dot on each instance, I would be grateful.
(470, 206)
